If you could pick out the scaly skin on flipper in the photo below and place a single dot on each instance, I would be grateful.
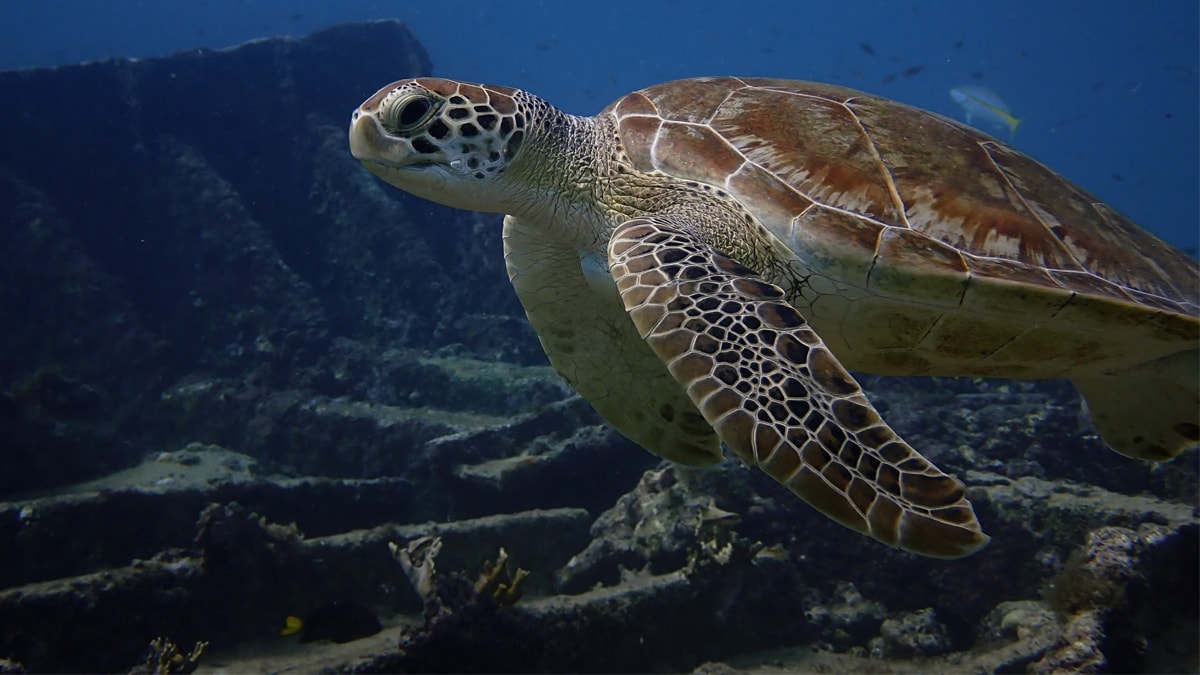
(765, 381)
(596, 349)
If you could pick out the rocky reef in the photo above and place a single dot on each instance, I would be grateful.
(188, 238)
(243, 380)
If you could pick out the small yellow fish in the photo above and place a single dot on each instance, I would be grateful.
(292, 625)
(337, 621)
(981, 103)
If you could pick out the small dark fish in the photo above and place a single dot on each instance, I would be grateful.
(888, 78)
(976, 75)
(867, 48)
(911, 70)
(1118, 177)
(1097, 86)
(337, 622)
(959, 44)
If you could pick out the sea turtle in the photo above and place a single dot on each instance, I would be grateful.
(705, 259)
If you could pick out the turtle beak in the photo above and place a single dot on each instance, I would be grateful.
(371, 145)
(393, 159)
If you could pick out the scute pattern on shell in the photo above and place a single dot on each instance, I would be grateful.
(789, 149)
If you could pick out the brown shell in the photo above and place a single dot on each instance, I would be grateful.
(898, 189)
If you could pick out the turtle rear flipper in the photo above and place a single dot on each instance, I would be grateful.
(777, 396)
(1148, 412)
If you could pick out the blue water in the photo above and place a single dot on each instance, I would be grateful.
(1108, 89)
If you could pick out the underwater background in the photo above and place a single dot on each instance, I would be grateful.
(1107, 89)
(249, 395)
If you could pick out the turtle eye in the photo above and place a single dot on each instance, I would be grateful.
(409, 113)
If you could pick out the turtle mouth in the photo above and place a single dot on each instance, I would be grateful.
(372, 145)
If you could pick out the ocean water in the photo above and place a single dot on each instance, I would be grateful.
(1107, 89)
(234, 358)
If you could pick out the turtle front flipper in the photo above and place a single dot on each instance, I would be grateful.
(777, 396)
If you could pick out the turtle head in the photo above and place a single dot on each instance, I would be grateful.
(444, 141)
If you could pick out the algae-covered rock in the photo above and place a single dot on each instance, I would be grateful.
(914, 634)
(1122, 595)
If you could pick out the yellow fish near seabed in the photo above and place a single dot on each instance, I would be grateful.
(983, 104)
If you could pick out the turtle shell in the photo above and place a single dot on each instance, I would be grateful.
(936, 249)
(882, 188)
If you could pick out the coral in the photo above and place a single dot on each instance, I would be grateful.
(418, 560)
(844, 620)
(1017, 620)
(1095, 575)
(235, 548)
(461, 617)
(1093, 582)
(916, 634)
(234, 541)
(446, 594)
(496, 582)
(666, 523)
(1119, 594)
(714, 530)
(164, 657)
(1077, 649)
